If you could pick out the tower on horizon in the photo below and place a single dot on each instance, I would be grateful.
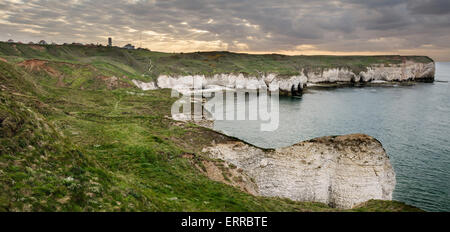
(110, 42)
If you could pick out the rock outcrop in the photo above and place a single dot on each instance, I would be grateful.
(341, 171)
(144, 86)
(406, 71)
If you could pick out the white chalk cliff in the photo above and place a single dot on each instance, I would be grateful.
(407, 71)
(341, 171)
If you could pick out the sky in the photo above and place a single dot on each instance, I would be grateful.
(293, 27)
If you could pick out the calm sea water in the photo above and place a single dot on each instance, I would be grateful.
(412, 122)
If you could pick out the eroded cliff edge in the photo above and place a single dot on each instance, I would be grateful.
(376, 73)
(106, 183)
(341, 171)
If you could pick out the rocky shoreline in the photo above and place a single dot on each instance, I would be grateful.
(341, 171)
(105, 147)
(379, 74)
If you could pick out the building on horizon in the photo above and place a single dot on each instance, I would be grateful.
(110, 42)
(129, 46)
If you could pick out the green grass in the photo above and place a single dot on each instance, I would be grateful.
(67, 148)
(134, 63)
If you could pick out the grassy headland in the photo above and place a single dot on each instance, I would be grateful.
(73, 140)
(134, 63)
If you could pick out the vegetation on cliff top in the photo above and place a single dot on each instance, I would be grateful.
(134, 63)
(88, 145)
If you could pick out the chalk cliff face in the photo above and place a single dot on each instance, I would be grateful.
(407, 71)
(341, 171)
(231, 81)
(271, 81)
(404, 72)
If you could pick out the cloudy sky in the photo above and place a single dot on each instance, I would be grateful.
(307, 27)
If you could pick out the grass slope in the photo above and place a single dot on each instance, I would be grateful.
(66, 148)
(134, 63)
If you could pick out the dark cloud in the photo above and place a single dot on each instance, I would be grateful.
(431, 7)
(341, 26)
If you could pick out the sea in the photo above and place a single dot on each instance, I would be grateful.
(411, 121)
